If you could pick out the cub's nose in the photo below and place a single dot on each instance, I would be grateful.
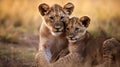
(57, 26)
(71, 35)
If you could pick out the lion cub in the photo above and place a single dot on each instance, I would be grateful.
(81, 42)
(86, 50)
(76, 33)
(52, 30)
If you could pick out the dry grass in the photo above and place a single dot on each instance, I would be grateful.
(20, 54)
(13, 56)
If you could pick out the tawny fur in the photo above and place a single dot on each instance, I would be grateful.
(53, 43)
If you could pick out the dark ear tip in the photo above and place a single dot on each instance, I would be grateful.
(43, 8)
(70, 4)
(69, 7)
(85, 18)
(41, 5)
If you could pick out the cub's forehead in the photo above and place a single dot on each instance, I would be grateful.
(56, 10)
(74, 21)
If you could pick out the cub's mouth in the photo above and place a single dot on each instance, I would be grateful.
(72, 39)
(57, 31)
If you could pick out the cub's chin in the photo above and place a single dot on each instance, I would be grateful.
(56, 33)
(72, 41)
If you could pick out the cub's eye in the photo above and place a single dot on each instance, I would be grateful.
(51, 18)
(61, 17)
(76, 29)
(67, 29)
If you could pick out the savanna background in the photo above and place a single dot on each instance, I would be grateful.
(20, 21)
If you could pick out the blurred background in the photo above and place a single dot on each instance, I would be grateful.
(20, 20)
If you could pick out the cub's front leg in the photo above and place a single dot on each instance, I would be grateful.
(45, 48)
(50, 52)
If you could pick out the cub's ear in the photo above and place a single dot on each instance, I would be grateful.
(43, 8)
(68, 8)
(85, 20)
